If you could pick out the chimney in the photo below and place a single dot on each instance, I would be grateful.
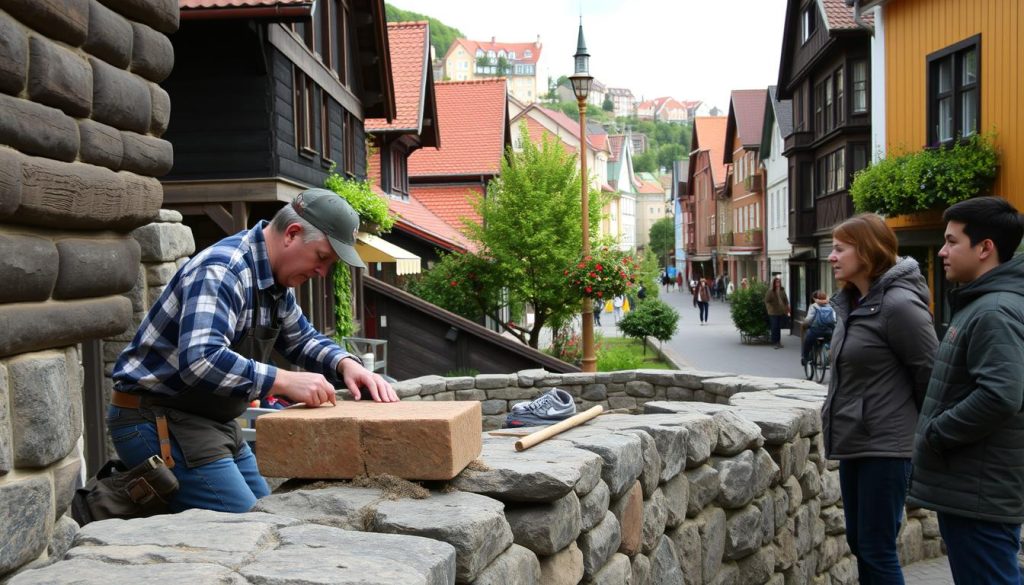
(492, 40)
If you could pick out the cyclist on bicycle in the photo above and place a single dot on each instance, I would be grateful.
(820, 321)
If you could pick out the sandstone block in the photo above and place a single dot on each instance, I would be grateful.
(13, 56)
(164, 242)
(25, 521)
(629, 511)
(515, 566)
(152, 53)
(37, 129)
(529, 476)
(30, 327)
(562, 568)
(45, 423)
(62, 20)
(100, 144)
(546, 528)
(665, 567)
(161, 110)
(169, 216)
(60, 78)
(159, 14)
(146, 155)
(617, 571)
(95, 268)
(599, 544)
(407, 440)
(110, 35)
(593, 506)
(478, 531)
(120, 99)
(28, 268)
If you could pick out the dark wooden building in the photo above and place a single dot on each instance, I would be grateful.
(824, 70)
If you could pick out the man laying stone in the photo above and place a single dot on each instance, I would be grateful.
(203, 352)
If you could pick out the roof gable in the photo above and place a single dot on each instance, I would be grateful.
(413, 78)
(709, 136)
(745, 119)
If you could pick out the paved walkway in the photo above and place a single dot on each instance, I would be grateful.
(931, 572)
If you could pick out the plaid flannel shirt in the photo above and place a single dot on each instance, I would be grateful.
(184, 342)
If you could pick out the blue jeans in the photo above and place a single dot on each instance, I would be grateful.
(981, 552)
(225, 485)
(775, 325)
(702, 308)
(812, 335)
(874, 490)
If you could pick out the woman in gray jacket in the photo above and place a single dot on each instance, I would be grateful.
(882, 352)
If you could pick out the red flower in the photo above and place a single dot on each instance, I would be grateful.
(455, 283)
(566, 273)
(581, 265)
(588, 289)
(600, 294)
(599, 268)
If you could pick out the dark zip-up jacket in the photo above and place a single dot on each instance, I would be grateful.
(969, 451)
(882, 352)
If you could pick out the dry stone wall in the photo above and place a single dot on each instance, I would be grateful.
(81, 116)
(687, 492)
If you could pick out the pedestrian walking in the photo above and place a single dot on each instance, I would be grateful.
(882, 351)
(617, 303)
(597, 313)
(679, 281)
(777, 304)
(701, 298)
(665, 282)
(728, 291)
(969, 443)
(641, 293)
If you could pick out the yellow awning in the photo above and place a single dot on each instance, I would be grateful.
(373, 249)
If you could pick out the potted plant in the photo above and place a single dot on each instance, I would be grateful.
(603, 274)
(749, 313)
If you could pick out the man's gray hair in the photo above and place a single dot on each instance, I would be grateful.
(287, 216)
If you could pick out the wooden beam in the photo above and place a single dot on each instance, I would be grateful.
(220, 216)
(240, 211)
(295, 51)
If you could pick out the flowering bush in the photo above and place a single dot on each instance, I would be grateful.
(567, 345)
(603, 274)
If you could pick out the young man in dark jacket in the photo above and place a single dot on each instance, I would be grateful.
(969, 446)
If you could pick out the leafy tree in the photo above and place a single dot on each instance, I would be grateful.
(652, 317)
(668, 153)
(608, 105)
(531, 231)
(441, 35)
(663, 238)
(646, 162)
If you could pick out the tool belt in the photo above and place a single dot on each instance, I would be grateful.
(134, 401)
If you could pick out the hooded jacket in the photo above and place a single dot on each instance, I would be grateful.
(882, 352)
(969, 451)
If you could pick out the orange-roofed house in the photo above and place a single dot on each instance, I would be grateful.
(517, 63)
(745, 188)
(705, 189)
(474, 124)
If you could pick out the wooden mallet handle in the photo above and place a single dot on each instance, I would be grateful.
(546, 433)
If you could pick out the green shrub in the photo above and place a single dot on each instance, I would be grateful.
(372, 208)
(748, 311)
(619, 358)
(654, 318)
(918, 181)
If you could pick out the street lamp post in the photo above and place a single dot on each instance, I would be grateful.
(581, 81)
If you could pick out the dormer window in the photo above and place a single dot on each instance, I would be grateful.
(808, 22)
(501, 54)
(527, 54)
(511, 54)
(479, 53)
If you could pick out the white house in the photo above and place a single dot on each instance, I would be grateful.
(778, 123)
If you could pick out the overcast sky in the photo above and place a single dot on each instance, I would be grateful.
(688, 49)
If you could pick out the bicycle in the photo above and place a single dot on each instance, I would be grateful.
(819, 360)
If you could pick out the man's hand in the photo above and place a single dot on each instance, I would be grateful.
(308, 387)
(356, 376)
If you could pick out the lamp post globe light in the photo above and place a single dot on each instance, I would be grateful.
(581, 81)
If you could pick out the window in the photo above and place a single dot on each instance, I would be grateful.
(860, 86)
(327, 37)
(807, 185)
(399, 174)
(859, 158)
(954, 91)
(304, 112)
(325, 128)
(808, 23)
(349, 144)
(527, 54)
(340, 58)
(831, 173)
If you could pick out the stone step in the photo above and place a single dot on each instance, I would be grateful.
(410, 440)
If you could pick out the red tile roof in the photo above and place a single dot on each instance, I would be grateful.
(492, 45)
(409, 46)
(472, 116)
(709, 133)
(748, 105)
(839, 16)
(451, 203)
(615, 143)
(415, 217)
(650, 187)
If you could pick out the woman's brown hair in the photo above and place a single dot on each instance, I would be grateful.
(874, 242)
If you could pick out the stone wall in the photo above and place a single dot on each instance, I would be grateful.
(81, 117)
(689, 492)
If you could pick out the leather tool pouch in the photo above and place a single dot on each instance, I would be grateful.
(117, 492)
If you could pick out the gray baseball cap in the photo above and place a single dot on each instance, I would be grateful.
(331, 214)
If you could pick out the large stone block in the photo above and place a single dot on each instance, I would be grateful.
(152, 53)
(45, 426)
(593, 506)
(120, 99)
(96, 268)
(6, 449)
(10, 181)
(621, 453)
(411, 440)
(164, 242)
(687, 542)
(25, 521)
(161, 116)
(30, 327)
(100, 144)
(655, 516)
(110, 35)
(665, 566)
(13, 56)
(629, 511)
(712, 540)
(159, 14)
(515, 566)
(598, 545)
(81, 196)
(66, 476)
(37, 129)
(146, 155)
(677, 494)
(62, 20)
(562, 568)
(60, 78)
(618, 571)
(703, 488)
(743, 533)
(28, 268)
(474, 525)
(546, 528)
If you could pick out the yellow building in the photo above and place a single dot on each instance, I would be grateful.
(942, 69)
(516, 62)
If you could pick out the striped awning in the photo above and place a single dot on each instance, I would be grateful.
(374, 249)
